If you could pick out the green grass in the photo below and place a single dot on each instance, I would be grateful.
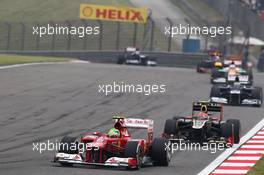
(16, 59)
(206, 11)
(201, 8)
(258, 169)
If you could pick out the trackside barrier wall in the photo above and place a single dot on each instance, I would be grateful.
(163, 58)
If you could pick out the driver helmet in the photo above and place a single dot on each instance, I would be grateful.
(202, 114)
(218, 64)
(232, 66)
(113, 132)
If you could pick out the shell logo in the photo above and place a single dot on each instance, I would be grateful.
(87, 11)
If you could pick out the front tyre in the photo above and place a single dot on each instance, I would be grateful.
(68, 145)
(170, 127)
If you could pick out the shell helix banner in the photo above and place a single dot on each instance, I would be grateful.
(112, 13)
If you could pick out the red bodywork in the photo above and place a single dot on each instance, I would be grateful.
(100, 149)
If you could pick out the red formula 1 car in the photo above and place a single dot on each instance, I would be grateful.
(116, 148)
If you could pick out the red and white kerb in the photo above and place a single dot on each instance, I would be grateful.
(244, 158)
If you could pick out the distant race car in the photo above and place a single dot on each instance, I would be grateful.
(237, 94)
(205, 66)
(228, 75)
(132, 56)
(205, 124)
(116, 148)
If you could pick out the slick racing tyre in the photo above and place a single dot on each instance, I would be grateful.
(257, 94)
(120, 60)
(215, 92)
(226, 130)
(133, 149)
(236, 127)
(161, 155)
(68, 145)
(170, 127)
(215, 74)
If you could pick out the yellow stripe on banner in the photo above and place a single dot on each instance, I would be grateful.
(112, 13)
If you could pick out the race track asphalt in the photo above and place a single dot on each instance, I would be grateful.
(44, 102)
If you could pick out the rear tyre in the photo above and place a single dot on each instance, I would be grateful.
(160, 154)
(250, 76)
(236, 127)
(144, 61)
(170, 127)
(120, 60)
(134, 150)
(215, 92)
(257, 94)
(215, 74)
(226, 130)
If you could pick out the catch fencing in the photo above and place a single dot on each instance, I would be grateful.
(115, 36)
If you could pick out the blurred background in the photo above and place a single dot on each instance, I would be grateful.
(245, 16)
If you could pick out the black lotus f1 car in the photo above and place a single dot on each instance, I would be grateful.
(206, 124)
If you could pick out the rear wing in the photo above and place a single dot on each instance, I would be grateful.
(139, 123)
(207, 106)
(131, 49)
(236, 62)
(135, 123)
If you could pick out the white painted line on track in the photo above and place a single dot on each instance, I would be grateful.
(222, 157)
(255, 141)
(243, 158)
(27, 64)
(230, 171)
(237, 164)
(40, 63)
(249, 152)
(252, 146)
(258, 137)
